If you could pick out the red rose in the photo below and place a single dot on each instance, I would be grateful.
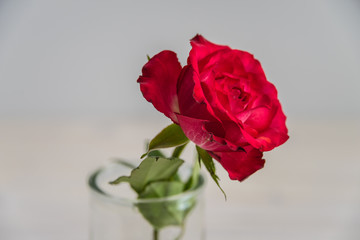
(221, 100)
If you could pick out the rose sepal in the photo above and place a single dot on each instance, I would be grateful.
(207, 160)
(171, 136)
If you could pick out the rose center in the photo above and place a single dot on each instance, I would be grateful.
(230, 94)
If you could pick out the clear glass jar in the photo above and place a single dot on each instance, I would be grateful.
(115, 211)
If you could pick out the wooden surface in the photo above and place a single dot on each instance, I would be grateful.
(309, 188)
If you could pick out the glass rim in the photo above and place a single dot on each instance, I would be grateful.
(95, 189)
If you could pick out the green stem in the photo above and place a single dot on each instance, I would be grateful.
(182, 231)
(155, 234)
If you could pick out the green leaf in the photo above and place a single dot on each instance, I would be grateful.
(156, 153)
(121, 179)
(171, 136)
(178, 150)
(165, 213)
(124, 163)
(148, 57)
(194, 178)
(151, 169)
(162, 189)
(210, 166)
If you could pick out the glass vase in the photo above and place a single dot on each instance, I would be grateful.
(117, 214)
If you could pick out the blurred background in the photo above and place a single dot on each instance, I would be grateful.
(69, 101)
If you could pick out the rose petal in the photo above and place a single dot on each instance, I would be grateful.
(196, 131)
(226, 133)
(277, 130)
(201, 48)
(187, 92)
(240, 164)
(158, 83)
(257, 118)
(213, 97)
(209, 88)
(234, 134)
(249, 63)
(274, 135)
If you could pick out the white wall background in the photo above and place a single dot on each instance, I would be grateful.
(72, 59)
